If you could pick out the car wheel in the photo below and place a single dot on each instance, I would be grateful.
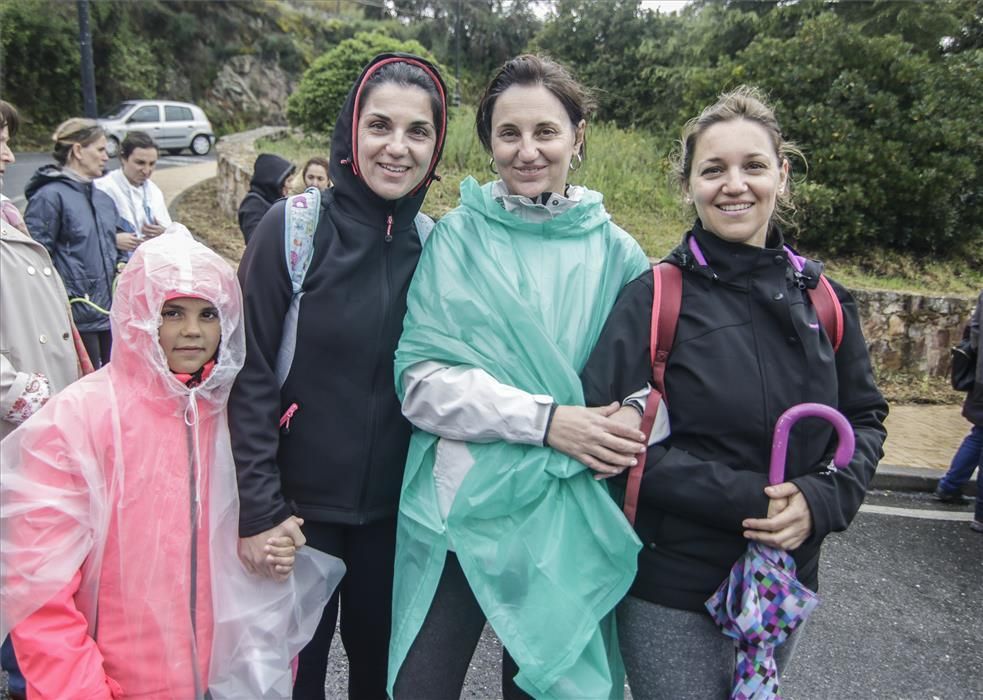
(201, 145)
(112, 146)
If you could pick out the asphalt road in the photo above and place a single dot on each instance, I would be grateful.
(18, 174)
(900, 618)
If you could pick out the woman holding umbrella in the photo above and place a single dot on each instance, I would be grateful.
(748, 345)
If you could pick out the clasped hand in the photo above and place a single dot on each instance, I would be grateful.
(789, 520)
(606, 439)
(272, 553)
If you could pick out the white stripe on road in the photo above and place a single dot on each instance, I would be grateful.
(916, 513)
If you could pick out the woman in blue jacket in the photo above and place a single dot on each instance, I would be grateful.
(76, 222)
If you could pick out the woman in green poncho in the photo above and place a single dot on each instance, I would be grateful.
(503, 515)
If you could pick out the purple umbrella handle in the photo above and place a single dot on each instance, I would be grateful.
(779, 444)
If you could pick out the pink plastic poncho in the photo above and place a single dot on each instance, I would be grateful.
(119, 520)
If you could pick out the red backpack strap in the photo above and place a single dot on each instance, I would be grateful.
(828, 310)
(667, 286)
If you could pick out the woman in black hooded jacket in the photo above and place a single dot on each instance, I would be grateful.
(748, 345)
(268, 184)
(336, 466)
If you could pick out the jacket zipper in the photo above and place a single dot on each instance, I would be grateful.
(386, 301)
(287, 415)
(193, 592)
(102, 251)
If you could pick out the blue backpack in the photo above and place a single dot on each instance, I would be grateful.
(301, 215)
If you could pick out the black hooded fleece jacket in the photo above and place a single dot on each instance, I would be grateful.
(341, 460)
(269, 174)
(748, 346)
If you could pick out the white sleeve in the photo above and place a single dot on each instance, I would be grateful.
(660, 427)
(158, 206)
(466, 403)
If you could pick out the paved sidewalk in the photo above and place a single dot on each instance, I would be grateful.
(174, 181)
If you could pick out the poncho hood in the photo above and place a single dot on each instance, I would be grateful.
(174, 264)
(586, 217)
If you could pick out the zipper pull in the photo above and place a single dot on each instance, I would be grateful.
(389, 229)
(287, 415)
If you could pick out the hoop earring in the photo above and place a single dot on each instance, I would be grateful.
(491, 165)
(580, 161)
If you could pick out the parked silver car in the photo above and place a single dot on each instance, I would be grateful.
(173, 126)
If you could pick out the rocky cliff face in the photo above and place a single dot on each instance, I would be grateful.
(247, 85)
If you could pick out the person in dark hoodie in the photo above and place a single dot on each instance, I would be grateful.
(336, 465)
(748, 345)
(268, 184)
(76, 222)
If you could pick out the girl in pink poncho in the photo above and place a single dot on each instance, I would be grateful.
(119, 514)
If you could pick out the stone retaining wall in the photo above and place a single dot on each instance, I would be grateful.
(905, 332)
(236, 154)
(912, 333)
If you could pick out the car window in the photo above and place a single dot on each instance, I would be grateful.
(173, 113)
(147, 113)
(118, 111)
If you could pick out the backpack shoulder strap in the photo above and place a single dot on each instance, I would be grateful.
(301, 215)
(666, 299)
(667, 294)
(828, 310)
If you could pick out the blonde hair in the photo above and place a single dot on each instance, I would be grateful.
(744, 102)
(74, 131)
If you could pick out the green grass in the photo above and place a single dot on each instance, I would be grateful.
(631, 169)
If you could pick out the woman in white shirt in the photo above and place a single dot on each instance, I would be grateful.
(140, 203)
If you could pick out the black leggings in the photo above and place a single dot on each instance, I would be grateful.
(366, 609)
(438, 660)
(98, 344)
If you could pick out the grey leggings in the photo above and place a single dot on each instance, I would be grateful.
(438, 660)
(678, 654)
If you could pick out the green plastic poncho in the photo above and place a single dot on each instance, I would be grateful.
(546, 550)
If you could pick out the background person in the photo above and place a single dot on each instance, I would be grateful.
(76, 223)
(268, 184)
(969, 456)
(338, 461)
(315, 173)
(39, 355)
(499, 516)
(748, 345)
(139, 202)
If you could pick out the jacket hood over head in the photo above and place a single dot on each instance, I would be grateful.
(269, 173)
(349, 187)
(174, 264)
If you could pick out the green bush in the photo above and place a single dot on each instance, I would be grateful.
(40, 60)
(322, 91)
(890, 133)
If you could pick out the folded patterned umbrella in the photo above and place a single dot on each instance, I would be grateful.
(762, 601)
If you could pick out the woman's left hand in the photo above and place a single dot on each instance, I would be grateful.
(789, 521)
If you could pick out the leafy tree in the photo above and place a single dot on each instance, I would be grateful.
(487, 32)
(325, 85)
(40, 59)
(889, 131)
